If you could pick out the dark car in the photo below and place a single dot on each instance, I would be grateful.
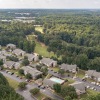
(42, 87)
(12, 73)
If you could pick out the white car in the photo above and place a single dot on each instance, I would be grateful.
(93, 83)
(88, 86)
(95, 89)
(92, 88)
(97, 83)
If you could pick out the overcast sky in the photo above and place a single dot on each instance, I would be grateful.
(64, 4)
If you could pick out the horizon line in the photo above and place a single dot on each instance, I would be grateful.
(57, 8)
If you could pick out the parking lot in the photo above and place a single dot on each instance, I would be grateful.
(12, 76)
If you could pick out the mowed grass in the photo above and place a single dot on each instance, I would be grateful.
(89, 92)
(39, 28)
(81, 73)
(42, 50)
(12, 83)
(40, 96)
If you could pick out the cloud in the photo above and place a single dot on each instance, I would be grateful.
(50, 4)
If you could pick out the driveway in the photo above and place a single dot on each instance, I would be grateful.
(26, 94)
(12, 76)
(88, 84)
(76, 79)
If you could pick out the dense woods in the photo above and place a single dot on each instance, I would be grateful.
(73, 35)
(16, 33)
(7, 92)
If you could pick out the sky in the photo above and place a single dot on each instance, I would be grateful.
(50, 4)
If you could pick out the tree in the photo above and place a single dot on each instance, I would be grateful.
(40, 57)
(57, 88)
(28, 76)
(25, 62)
(5, 88)
(68, 90)
(21, 71)
(67, 98)
(22, 85)
(61, 71)
(82, 61)
(34, 91)
(38, 67)
(45, 71)
(1, 62)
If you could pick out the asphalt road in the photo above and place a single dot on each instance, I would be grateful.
(12, 76)
(26, 94)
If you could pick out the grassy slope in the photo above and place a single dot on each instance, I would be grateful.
(40, 48)
(12, 83)
(40, 29)
(89, 92)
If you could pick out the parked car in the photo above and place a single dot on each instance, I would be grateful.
(88, 86)
(17, 76)
(39, 85)
(42, 87)
(27, 80)
(7, 71)
(92, 88)
(93, 83)
(20, 77)
(95, 89)
(84, 79)
(97, 83)
(12, 73)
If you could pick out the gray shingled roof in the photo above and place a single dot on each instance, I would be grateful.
(17, 51)
(90, 72)
(48, 82)
(11, 45)
(47, 60)
(79, 86)
(34, 72)
(30, 56)
(68, 67)
(96, 74)
(9, 63)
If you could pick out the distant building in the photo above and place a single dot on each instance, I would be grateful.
(17, 65)
(48, 83)
(32, 57)
(79, 87)
(19, 52)
(3, 58)
(48, 62)
(11, 46)
(35, 73)
(93, 74)
(70, 68)
(9, 64)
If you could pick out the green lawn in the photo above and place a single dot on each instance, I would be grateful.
(40, 29)
(48, 76)
(42, 50)
(81, 73)
(70, 81)
(12, 83)
(89, 92)
(40, 96)
(56, 69)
